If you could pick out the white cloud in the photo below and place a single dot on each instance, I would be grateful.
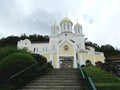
(99, 18)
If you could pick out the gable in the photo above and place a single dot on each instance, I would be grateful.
(66, 48)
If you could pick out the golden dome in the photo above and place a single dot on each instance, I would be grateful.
(55, 26)
(77, 25)
(66, 20)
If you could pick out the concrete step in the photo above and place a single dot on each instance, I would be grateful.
(54, 84)
(57, 79)
(60, 78)
(54, 87)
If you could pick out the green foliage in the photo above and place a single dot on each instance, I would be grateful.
(29, 75)
(9, 41)
(12, 40)
(35, 38)
(5, 51)
(102, 79)
(15, 62)
(40, 59)
(107, 49)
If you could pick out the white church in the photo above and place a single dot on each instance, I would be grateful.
(66, 46)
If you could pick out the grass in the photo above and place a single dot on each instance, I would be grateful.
(102, 79)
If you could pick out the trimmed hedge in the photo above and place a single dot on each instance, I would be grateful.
(14, 63)
(40, 59)
(5, 51)
(102, 79)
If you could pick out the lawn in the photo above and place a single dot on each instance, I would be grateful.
(102, 79)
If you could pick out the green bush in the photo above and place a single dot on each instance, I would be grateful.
(102, 79)
(9, 50)
(45, 68)
(6, 51)
(14, 63)
(40, 59)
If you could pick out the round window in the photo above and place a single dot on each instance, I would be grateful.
(66, 47)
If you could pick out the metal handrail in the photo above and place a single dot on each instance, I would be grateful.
(91, 83)
(89, 78)
(83, 75)
(24, 70)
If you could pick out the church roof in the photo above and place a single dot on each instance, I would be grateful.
(89, 44)
(40, 42)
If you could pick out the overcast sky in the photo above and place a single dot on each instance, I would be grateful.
(100, 19)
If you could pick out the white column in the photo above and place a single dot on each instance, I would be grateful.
(75, 61)
(81, 60)
(58, 62)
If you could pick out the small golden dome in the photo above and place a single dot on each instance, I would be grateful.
(77, 25)
(55, 26)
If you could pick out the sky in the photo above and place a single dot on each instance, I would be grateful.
(100, 19)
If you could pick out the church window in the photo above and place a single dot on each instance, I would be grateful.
(37, 49)
(46, 48)
(53, 46)
(66, 47)
(43, 48)
(54, 31)
(34, 50)
(77, 55)
(68, 26)
(78, 30)
(64, 26)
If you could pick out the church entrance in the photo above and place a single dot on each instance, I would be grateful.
(66, 62)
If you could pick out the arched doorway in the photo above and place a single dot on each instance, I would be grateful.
(88, 62)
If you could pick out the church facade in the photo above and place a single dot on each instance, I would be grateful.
(66, 46)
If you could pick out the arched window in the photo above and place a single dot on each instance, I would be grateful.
(34, 50)
(54, 31)
(53, 46)
(68, 26)
(64, 26)
(88, 62)
(78, 29)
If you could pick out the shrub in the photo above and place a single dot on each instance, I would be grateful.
(6, 51)
(102, 79)
(9, 50)
(14, 63)
(40, 59)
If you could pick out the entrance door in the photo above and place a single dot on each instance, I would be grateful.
(66, 63)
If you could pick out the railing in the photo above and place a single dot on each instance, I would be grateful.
(17, 74)
(83, 75)
(92, 84)
(88, 83)
(18, 80)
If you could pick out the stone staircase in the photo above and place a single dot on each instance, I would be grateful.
(57, 79)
